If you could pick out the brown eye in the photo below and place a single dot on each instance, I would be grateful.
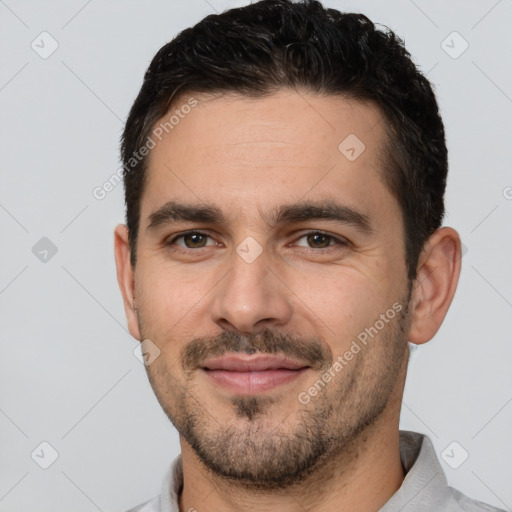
(319, 240)
(191, 240)
(196, 240)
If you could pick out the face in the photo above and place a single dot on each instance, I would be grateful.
(265, 242)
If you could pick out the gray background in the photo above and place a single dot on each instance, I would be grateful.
(68, 374)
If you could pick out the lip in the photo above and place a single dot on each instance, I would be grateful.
(253, 374)
(240, 363)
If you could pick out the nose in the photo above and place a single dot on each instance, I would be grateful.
(251, 297)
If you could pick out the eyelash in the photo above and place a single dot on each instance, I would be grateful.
(339, 241)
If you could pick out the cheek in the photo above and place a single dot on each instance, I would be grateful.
(342, 303)
(168, 300)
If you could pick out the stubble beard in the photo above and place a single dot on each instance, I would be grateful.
(254, 452)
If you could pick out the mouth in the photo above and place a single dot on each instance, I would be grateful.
(253, 374)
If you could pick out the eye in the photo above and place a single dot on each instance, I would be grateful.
(191, 240)
(198, 240)
(320, 240)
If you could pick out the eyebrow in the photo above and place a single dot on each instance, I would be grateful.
(174, 211)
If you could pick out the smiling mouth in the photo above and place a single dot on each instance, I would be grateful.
(255, 374)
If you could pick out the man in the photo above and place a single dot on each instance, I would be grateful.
(285, 168)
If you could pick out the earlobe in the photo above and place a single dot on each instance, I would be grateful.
(434, 288)
(126, 278)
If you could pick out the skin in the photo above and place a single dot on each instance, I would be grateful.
(301, 295)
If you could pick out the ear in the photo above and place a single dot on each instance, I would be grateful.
(437, 277)
(125, 278)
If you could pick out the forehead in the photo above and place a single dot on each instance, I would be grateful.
(252, 154)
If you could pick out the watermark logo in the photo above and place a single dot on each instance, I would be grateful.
(454, 45)
(44, 45)
(44, 455)
(454, 455)
(304, 397)
(146, 352)
(352, 147)
(249, 250)
(44, 250)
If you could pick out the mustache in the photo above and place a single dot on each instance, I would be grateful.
(313, 352)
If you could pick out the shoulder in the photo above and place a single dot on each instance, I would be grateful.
(167, 500)
(460, 502)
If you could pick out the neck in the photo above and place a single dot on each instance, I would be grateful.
(361, 478)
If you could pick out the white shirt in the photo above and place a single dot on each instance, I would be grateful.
(424, 489)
